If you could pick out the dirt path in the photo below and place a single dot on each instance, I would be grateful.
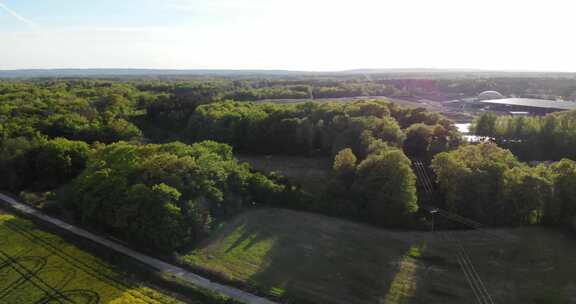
(164, 267)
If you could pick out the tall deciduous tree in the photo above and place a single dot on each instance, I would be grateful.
(345, 167)
(526, 193)
(418, 140)
(562, 209)
(386, 188)
(472, 179)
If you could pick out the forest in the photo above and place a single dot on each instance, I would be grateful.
(152, 161)
(489, 184)
(548, 138)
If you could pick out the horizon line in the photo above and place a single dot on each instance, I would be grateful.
(408, 69)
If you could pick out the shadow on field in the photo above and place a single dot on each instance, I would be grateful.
(316, 259)
(310, 258)
(251, 236)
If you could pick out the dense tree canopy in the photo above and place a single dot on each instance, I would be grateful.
(80, 110)
(561, 209)
(488, 184)
(381, 189)
(163, 195)
(552, 137)
(39, 163)
(418, 140)
(312, 128)
(472, 178)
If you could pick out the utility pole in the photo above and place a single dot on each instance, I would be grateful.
(433, 212)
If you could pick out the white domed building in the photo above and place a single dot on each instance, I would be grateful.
(489, 95)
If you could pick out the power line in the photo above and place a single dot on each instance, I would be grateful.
(472, 277)
(474, 280)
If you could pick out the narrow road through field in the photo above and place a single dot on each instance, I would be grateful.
(164, 267)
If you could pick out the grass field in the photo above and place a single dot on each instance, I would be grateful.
(39, 267)
(310, 172)
(317, 259)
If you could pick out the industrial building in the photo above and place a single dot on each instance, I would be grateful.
(496, 102)
(527, 105)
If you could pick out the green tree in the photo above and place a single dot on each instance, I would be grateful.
(158, 221)
(472, 179)
(485, 125)
(526, 193)
(58, 161)
(386, 188)
(344, 167)
(418, 140)
(562, 209)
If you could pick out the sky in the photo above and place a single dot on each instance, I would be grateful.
(314, 35)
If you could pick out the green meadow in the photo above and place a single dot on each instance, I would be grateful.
(310, 258)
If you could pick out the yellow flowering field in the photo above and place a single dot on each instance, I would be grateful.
(39, 267)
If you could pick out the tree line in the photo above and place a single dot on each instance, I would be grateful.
(551, 137)
(321, 128)
(488, 184)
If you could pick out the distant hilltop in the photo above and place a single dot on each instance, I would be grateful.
(406, 72)
(38, 73)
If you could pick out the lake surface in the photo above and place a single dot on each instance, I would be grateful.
(464, 128)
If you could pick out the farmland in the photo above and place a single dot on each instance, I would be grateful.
(317, 259)
(39, 267)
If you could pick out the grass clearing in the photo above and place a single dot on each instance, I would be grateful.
(310, 172)
(40, 267)
(312, 258)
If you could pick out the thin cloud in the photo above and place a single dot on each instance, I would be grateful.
(17, 16)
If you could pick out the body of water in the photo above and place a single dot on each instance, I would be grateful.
(464, 128)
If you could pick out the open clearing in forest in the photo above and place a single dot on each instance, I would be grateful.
(312, 173)
(317, 259)
(39, 267)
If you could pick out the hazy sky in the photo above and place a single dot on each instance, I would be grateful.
(288, 34)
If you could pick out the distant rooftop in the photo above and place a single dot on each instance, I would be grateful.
(535, 103)
(489, 95)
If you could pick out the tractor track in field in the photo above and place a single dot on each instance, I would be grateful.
(77, 263)
(51, 294)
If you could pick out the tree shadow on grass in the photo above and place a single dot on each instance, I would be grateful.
(316, 259)
(248, 238)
